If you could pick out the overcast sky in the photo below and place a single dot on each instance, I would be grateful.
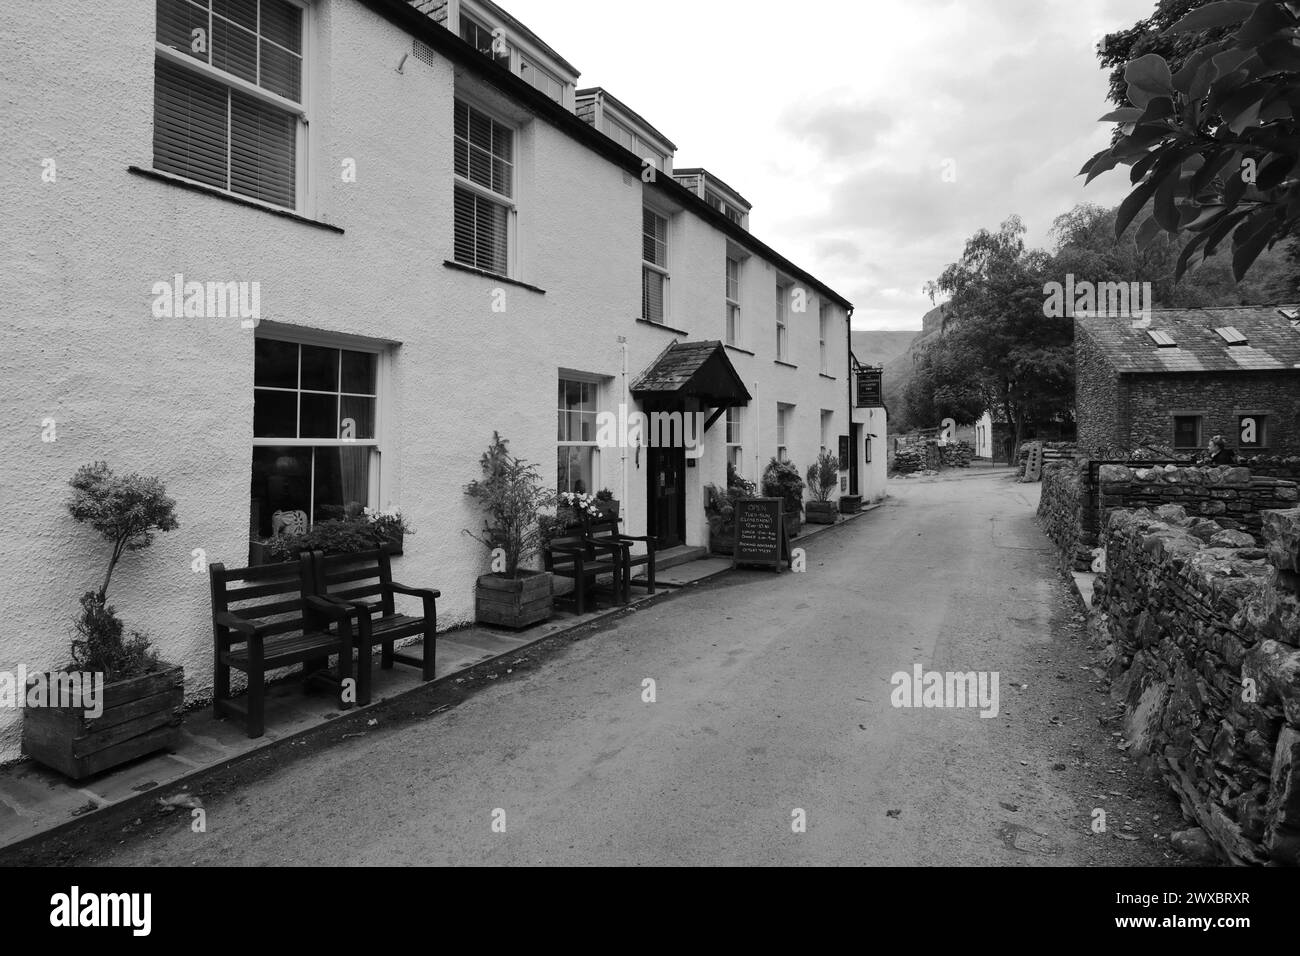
(835, 119)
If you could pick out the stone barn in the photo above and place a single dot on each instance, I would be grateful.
(1173, 381)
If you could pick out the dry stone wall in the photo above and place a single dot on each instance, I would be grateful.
(1077, 498)
(1203, 625)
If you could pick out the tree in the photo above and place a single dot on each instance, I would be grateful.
(1087, 248)
(1019, 360)
(1213, 140)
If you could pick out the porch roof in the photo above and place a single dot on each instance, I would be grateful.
(693, 370)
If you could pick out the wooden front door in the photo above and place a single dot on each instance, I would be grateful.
(667, 496)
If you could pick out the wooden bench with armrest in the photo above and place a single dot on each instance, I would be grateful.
(269, 617)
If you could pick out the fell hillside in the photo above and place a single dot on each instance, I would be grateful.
(881, 348)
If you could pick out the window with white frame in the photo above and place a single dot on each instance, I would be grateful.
(626, 138)
(824, 325)
(827, 418)
(576, 457)
(541, 79)
(734, 444)
(316, 448)
(782, 321)
(724, 207)
(483, 38)
(228, 96)
(654, 265)
(620, 134)
(733, 301)
(484, 184)
(784, 415)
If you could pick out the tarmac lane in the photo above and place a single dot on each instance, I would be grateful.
(750, 720)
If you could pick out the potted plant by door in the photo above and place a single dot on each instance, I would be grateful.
(512, 495)
(720, 510)
(115, 701)
(823, 478)
(781, 480)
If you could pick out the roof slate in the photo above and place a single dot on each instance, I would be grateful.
(1273, 344)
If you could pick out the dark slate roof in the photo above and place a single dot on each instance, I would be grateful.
(1272, 342)
(701, 369)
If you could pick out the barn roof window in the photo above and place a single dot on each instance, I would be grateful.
(1162, 339)
(1230, 335)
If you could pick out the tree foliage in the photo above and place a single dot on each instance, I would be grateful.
(1210, 128)
(999, 350)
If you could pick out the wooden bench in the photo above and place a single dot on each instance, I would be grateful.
(608, 533)
(574, 554)
(266, 618)
(363, 585)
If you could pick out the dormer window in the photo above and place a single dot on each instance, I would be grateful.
(482, 38)
(541, 79)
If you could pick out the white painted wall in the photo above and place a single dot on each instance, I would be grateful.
(174, 397)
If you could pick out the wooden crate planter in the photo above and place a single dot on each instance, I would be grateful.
(820, 512)
(793, 524)
(141, 715)
(722, 536)
(850, 504)
(259, 552)
(514, 602)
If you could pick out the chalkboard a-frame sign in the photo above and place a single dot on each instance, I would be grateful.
(760, 533)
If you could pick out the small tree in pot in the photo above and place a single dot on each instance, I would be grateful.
(136, 707)
(781, 480)
(512, 494)
(823, 479)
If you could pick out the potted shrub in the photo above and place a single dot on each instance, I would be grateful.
(823, 478)
(512, 495)
(115, 701)
(720, 509)
(781, 480)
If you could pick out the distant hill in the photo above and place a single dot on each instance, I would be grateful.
(881, 348)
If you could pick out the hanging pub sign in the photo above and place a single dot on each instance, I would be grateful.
(760, 533)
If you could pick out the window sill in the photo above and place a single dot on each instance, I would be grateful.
(230, 197)
(830, 378)
(666, 328)
(737, 348)
(786, 364)
(495, 277)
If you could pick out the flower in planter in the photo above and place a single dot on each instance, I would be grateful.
(348, 535)
(582, 506)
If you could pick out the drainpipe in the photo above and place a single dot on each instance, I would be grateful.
(853, 449)
(622, 344)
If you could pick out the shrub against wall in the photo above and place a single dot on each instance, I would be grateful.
(1204, 625)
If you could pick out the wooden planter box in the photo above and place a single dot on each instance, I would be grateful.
(141, 715)
(793, 524)
(722, 536)
(259, 552)
(514, 602)
(820, 512)
(850, 504)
